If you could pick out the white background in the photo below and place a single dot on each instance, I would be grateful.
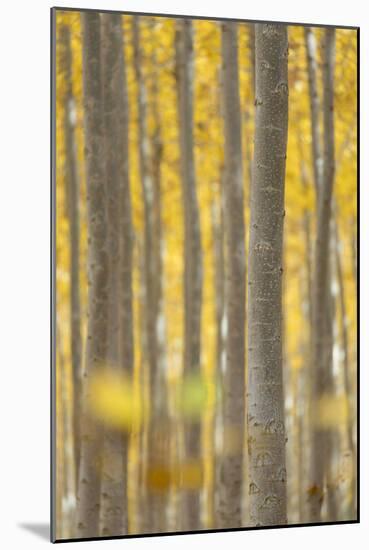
(24, 268)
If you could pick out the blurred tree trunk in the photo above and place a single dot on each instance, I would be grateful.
(88, 505)
(217, 226)
(231, 475)
(332, 433)
(217, 223)
(266, 430)
(159, 443)
(304, 385)
(147, 199)
(316, 150)
(66, 473)
(322, 374)
(126, 318)
(251, 34)
(114, 505)
(150, 154)
(191, 519)
(72, 193)
(346, 365)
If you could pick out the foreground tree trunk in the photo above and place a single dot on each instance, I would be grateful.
(72, 192)
(267, 463)
(192, 250)
(230, 488)
(321, 291)
(88, 500)
(114, 505)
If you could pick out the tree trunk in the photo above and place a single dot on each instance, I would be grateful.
(251, 36)
(321, 290)
(147, 198)
(66, 473)
(317, 159)
(113, 517)
(126, 256)
(192, 250)
(346, 366)
(267, 462)
(87, 517)
(72, 193)
(230, 488)
(150, 153)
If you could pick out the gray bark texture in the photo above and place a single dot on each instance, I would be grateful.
(72, 193)
(322, 374)
(266, 428)
(191, 519)
(231, 474)
(113, 516)
(88, 499)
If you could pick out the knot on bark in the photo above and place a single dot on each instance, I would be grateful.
(263, 247)
(270, 30)
(263, 459)
(265, 65)
(270, 501)
(253, 489)
(274, 427)
(282, 88)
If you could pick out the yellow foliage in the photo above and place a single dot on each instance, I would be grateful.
(186, 476)
(331, 411)
(112, 399)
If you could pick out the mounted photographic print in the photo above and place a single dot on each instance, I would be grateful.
(204, 274)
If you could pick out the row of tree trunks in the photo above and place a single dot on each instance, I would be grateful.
(102, 453)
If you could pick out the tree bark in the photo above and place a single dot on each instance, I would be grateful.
(316, 150)
(230, 488)
(192, 249)
(87, 517)
(267, 462)
(72, 193)
(114, 505)
(321, 290)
